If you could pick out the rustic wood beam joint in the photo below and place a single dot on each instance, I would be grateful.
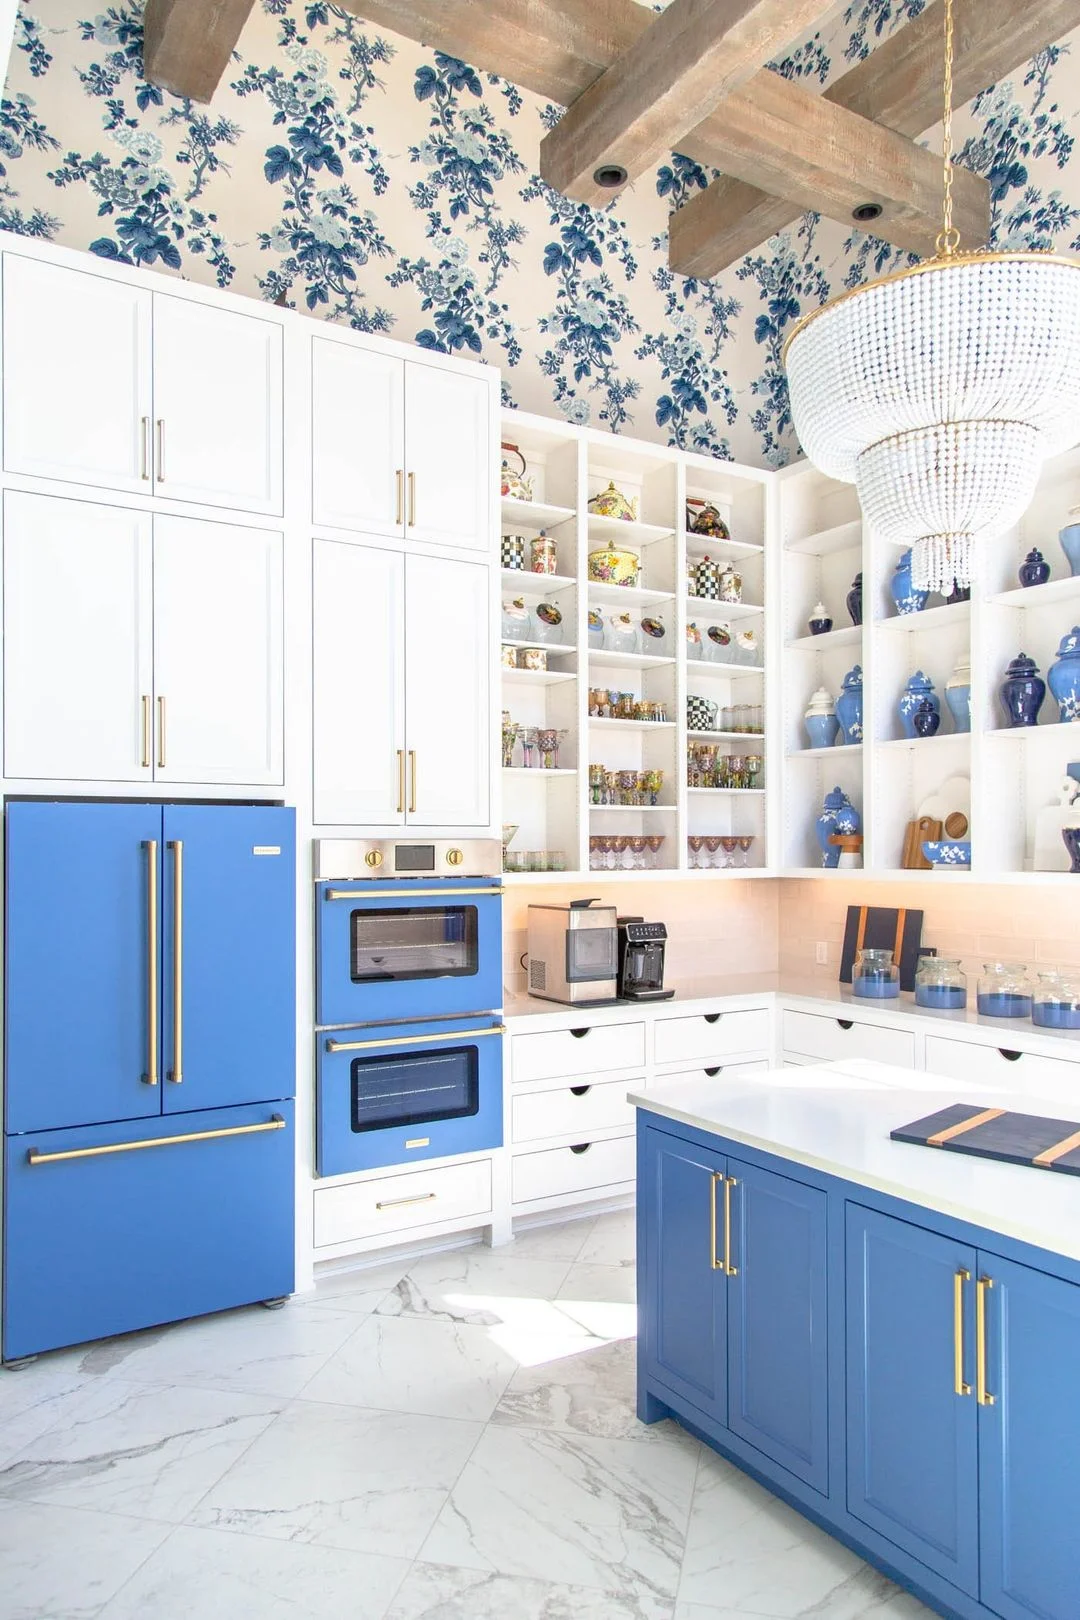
(187, 44)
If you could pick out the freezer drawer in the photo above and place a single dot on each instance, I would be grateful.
(148, 1221)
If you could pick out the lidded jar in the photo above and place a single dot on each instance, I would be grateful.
(693, 641)
(940, 984)
(517, 622)
(1056, 1002)
(875, 976)
(1004, 990)
(620, 634)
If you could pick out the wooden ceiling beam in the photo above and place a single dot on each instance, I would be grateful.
(187, 43)
(899, 85)
(690, 57)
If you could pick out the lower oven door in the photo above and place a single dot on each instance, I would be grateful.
(391, 1094)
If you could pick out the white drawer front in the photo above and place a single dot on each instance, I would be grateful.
(813, 1036)
(1054, 1078)
(395, 1203)
(713, 1071)
(573, 1110)
(562, 1054)
(711, 1036)
(557, 1172)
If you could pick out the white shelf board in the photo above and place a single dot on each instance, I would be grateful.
(614, 660)
(700, 545)
(608, 724)
(928, 619)
(631, 809)
(1056, 728)
(650, 874)
(849, 635)
(824, 753)
(627, 595)
(699, 606)
(537, 677)
(1055, 590)
(623, 533)
(940, 740)
(844, 537)
(729, 793)
(559, 648)
(534, 514)
(523, 582)
(725, 736)
(542, 773)
(711, 671)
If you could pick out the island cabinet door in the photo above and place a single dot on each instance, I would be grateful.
(778, 1369)
(912, 1418)
(684, 1306)
(1029, 1442)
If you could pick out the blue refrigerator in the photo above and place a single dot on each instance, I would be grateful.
(150, 1026)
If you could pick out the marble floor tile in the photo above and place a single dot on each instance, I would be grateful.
(561, 1240)
(263, 1352)
(59, 1563)
(601, 1299)
(210, 1575)
(440, 1592)
(571, 1509)
(360, 1290)
(147, 1450)
(333, 1476)
(612, 1241)
(590, 1391)
(33, 1400)
(479, 1286)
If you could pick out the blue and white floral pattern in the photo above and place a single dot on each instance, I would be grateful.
(395, 189)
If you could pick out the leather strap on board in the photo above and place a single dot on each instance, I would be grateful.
(1052, 1154)
(898, 943)
(939, 1138)
(861, 935)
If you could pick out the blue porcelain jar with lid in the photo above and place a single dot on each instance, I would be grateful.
(919, 689)
(854, 600)
(1022, 692)
(849, 707)
(1070, 540)
(1063, 676)
(905, 597)
(1034, 570)
(926, 719)
(838, 814)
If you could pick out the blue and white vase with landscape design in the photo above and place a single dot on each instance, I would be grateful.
(958, 694)
(1063, 676)
(1070, 540)
(1022, 692)
(906, 598)
(918, 688)
(837, 808)
(849, 707)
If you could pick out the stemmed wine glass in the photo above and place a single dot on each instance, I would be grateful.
(696, 843)
(638, 846)
(712, 844)
(745, 844)
(656, 842)
(729, 845)
(529, 745)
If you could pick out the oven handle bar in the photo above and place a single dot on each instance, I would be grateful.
(414, 1040)
(448, 895)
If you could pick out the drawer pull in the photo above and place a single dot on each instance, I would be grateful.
(582, 1147)
(712, 1018)
(579, 1034)
(846, 1023)
(34, 1157)
(1010, 1057)
(580, 1091)
(714, 1071)
(396, 1203)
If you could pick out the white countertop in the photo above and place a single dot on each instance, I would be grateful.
(836, 1118)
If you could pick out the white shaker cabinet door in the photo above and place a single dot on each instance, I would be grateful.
(358, 719)
(449, 446)
(217, 406)
(358, 438)
(447, 703)
(218, 676)
(77, 376)
(78, 640)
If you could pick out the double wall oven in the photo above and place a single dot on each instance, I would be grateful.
(408, 1002)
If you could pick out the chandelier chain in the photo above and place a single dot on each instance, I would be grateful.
(949, 240)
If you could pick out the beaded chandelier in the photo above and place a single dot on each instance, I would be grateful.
(940, 390)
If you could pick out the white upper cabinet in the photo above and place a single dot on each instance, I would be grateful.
(217, 406)
(78, 399)
(448, 444)
(78, 640)
(358, 709)
(447, 692)
(357, 438)
(218, 682)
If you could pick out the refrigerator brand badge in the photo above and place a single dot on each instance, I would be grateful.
(266, 849)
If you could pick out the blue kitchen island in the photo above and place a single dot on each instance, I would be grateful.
(886, 1336)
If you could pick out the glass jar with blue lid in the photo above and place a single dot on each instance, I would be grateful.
(940, 984)
(875, 976)
(1004, 990)
(1056, 1002)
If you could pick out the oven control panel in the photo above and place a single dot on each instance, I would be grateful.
(339, 859)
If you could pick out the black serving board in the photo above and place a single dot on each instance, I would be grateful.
(1013, 1138)
(880, 926)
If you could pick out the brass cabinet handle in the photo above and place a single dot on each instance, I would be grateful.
(983, 1395)
(144, 448)
(150, 1078)
(413, 1040)
(959, 1279)
(274, 1124)
(412, 500)
(146, 760)
(161, 732)
(412, 779)
(717, 1265)
(176, 1073)
(161, 450)
(413, 894)
(401, 781)
(730, 1270)
(396, 1203)
(399, 483)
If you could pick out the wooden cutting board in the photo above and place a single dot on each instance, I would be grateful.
(913, 859)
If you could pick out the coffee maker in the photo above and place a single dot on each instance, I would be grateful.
(641, 960)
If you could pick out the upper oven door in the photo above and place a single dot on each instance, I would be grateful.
(407, 949)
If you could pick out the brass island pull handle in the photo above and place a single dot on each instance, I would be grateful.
(982, 1394)
(730, 1270)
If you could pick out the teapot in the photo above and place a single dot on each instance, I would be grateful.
(702, 517)
(515, 485)
(612, 503)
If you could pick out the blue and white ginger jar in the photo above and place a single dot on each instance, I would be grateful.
(838, 815)
(958, 694)
(918, 688)
(849, 707)
(1063, 676)
(904, 594)
(1070, 540)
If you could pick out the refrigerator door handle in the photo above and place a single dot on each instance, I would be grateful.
(176, 1073)
(150, 1078)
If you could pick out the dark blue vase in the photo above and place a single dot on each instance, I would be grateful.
(854, 600)
(1022, 692)
(926, 719)
(1063, 676)
(1034, 570)
(905, 597)
(1071, 836)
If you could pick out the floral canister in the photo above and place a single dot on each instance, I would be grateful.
(543, 554)
(548, 622)
(1070, 540)
(1063, 676)
(510, 657)
(620, 634)
(958, 693)
(707, 579)
(819, 621)
(595, 629)
(610, 566)
(702, 517)
(512, 551)
(838, 814)
(820, 720)
(854, 600)
(1034, 570)
(516, 621)
(717, 645)
(1022, 692)
(919, 686)
(730, 584)
(905, 597)
(612, 503)
(533, 658)
(849, 707)
(693, 641)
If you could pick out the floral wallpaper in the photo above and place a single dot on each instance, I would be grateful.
(369, 181)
